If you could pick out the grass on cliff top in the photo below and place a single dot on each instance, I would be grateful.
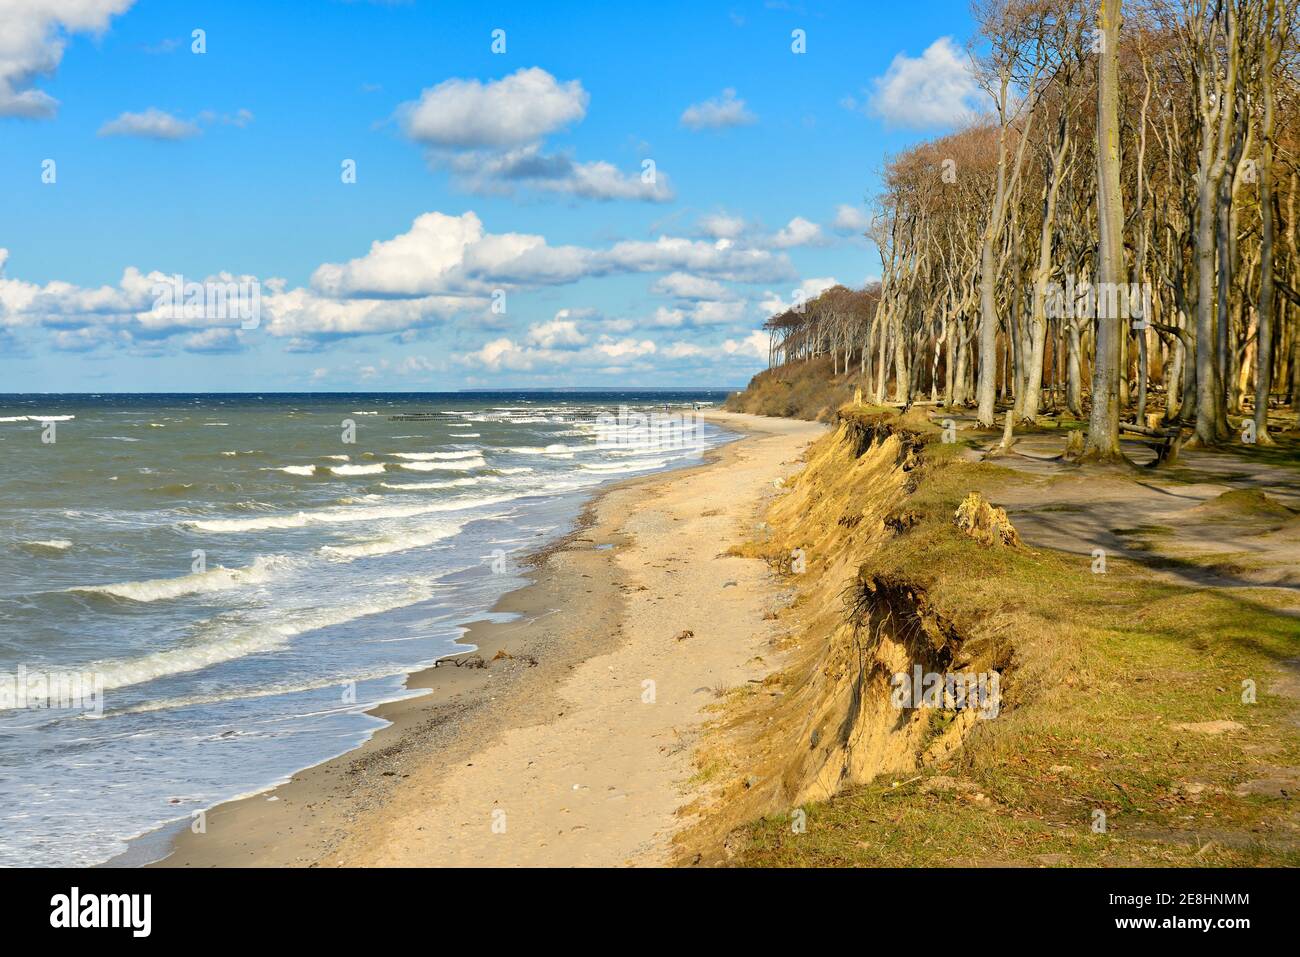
(801, 390)
(1105, 667)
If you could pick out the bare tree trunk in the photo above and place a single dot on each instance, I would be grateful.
(1143, 360)
(1038, 315)
(883, 333)
(1074, 370)
(1264, 348)
(902, 383)
(988, 330)
(1216, 108)
(1103, 423)
(961, 376)
(988, 338)
(1174, 376)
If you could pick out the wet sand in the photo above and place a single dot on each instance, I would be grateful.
(564, 737)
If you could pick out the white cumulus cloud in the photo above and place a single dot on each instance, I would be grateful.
(502, 173)
(722, 226)
(489, 136)
(797, 232)
(557, 334)
(443, 254)
(718, 113)
(935, 89)
(606, 352)
(773, 303)
(445, 266)
(152, 124)
(33, 34)
(850, 219)
(682, 285)
(518, 109)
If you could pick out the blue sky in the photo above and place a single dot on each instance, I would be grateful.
(517, 179)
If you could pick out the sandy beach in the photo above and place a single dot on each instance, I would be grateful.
(563, 738)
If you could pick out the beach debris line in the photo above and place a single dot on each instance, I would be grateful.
(474, 661)
(478, 661)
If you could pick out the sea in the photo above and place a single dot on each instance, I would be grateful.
(203, 594)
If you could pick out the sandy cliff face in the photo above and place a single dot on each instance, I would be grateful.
(830, 717)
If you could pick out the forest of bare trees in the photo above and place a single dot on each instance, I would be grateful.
(1116, 238)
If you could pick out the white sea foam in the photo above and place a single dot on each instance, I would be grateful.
(36, 418)
(457, 465)
(214, 579)
(358, 469)
(436, 456)
(561, 451)
(294, 469)
(336, 516)
(48, 545)
(450, 483)
(238, 641)
(390, 544)
(261, 691)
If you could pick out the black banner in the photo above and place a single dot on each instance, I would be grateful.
(338, 906)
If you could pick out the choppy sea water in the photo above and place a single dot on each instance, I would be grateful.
(218, 586)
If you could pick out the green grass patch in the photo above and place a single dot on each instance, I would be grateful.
(1105, 668)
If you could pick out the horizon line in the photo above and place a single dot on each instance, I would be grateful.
(689, 388)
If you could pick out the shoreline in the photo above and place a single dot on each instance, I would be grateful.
(579, 604)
